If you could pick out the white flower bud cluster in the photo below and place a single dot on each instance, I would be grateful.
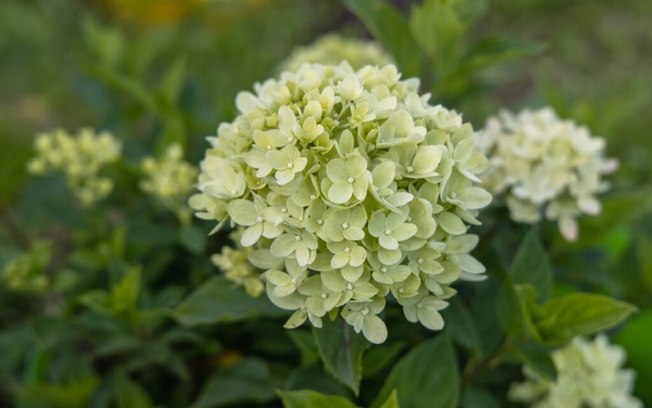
(545, 166)
(589, 374)
(349, 187)
(169, 179)
(80, 158)
(332, 49)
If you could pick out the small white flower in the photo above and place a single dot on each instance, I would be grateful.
(545, 166)
(332, 49)
(80, 158)
(589, 374)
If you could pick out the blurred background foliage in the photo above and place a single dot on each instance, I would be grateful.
(89, 323)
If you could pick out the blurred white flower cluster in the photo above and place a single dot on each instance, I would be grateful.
(169, 179)
(26, 272)
(589, 374)
(348, 186)
(332, 49)
(545, 166)
(80, 158)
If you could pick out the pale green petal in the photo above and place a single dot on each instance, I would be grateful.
(389, 257)
(316, 306)
(339, 260)
(278, 278)
(388, 242)
(473, 198)
(276, 159)
(284, 245)
(303, 254)
(383, 174)
(451, 223)
(352, 274)
(296, 320)
(242, 212)
(284, 176)
(360, 187)
(377, 224)
(287, 120)
(358, 256)
(333, 280)
(283, 291)
(427, 159)
(355, 166)
(364, 291)
(374, 329)
(382, 278)
(394, 220)
(340, 193)
(399, 199)
(404, 231)
(336, 170)
(464, 150)
(353, 233)
(429, 317)
(251, 235)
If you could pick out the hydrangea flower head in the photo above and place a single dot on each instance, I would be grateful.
(589, 374)
(170, 179)
(332, 49)
(545, 166)
(348, 186)
(80, 158)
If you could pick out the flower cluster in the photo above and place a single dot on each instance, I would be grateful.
(26, 272)
(332, 49)
(80, 158)
(349, 187)
(169, 179)
(237, 268)
(589, 374)
(545, 166)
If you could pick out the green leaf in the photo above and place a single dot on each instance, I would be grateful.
(538, 359)
(530, 265)
(644, 253)
(312, 399)
(560, 319)
(14, 154)
(391, 401)
(248, 381)
(388, 26)
(128, 394)
(380, 356)
(218, 301)
(73, 394)
(124, 294)
(462, 327)
(305, 342)
(438, 29)
(173, 80)
(193, 238)
(427, 376)
(492, 51)
(514, 304)
(617, 209)
(341, 349)
(635, 338)
(476, 397)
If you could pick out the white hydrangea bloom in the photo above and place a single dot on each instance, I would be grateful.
(332, 49)
(169, 179)
(545, 166)
(80, 158)
(589, 374)
(348, 185)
